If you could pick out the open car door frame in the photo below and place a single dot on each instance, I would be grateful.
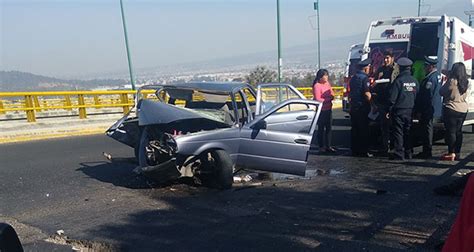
(276, 151)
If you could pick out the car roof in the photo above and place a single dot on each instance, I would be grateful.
(224, 87)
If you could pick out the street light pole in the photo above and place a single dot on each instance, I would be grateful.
(316, 8)
(132, 81)
(279, 42)
(419, 7)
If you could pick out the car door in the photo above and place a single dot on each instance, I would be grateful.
(281, 150)
(291, 118)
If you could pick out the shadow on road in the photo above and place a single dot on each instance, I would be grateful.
(254, 219)
(119, 172)
(332, 217)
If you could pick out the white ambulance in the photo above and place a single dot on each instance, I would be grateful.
(448, 38)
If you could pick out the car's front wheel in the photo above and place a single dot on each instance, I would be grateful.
(217, 169)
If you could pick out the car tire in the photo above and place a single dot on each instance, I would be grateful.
(220, 170)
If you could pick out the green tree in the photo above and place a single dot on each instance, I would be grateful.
(260, 75)
(308, 79)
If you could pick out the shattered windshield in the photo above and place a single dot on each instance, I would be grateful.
(212, 105)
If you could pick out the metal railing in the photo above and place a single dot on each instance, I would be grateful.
(33, 102)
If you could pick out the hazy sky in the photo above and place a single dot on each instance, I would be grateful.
(72, 37)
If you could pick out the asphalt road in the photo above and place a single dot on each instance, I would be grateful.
(356, 205)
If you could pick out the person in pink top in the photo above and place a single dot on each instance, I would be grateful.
(322, 92)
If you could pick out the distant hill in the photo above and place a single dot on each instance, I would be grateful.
(22, 81)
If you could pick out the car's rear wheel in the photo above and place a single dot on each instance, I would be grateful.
(217, 169)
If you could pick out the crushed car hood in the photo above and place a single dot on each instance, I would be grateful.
(152, 112)
(162, 115)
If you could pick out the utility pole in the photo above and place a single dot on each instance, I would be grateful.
(419, 7)
(279, 42)
(316, 8)
(132, 81)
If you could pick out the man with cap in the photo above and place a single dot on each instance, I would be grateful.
(428, 105)
(401, 101)
(359, 97)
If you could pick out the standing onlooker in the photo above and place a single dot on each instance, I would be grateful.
(428, 105)
(455, 107)
(401, 102)
(359, 98)
(322, 92)
(389, 70)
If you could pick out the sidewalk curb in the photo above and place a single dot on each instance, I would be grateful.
(39, 136)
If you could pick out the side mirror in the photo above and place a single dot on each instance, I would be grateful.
(262, 124)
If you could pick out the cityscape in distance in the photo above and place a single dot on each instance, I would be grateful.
(298, 63)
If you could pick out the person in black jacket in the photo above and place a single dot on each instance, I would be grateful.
(428, 105)
(360, 106)
(401, 101)
(389, 71)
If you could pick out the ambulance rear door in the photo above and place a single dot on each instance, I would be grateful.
(444, 35)
(388, 35)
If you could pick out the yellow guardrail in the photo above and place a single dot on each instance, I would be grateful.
(32, 102)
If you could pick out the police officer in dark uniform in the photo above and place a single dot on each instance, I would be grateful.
(428, 105)
(401, 101)
(360, 106)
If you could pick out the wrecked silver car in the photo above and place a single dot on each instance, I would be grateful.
(207, 130)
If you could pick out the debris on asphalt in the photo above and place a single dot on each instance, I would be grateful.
(247, 178)
(249, 184)
(243, 179)
(107, 155)
(82, 245)
(243, 186)
(47, 195)
(60, 232)
(173, 189)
